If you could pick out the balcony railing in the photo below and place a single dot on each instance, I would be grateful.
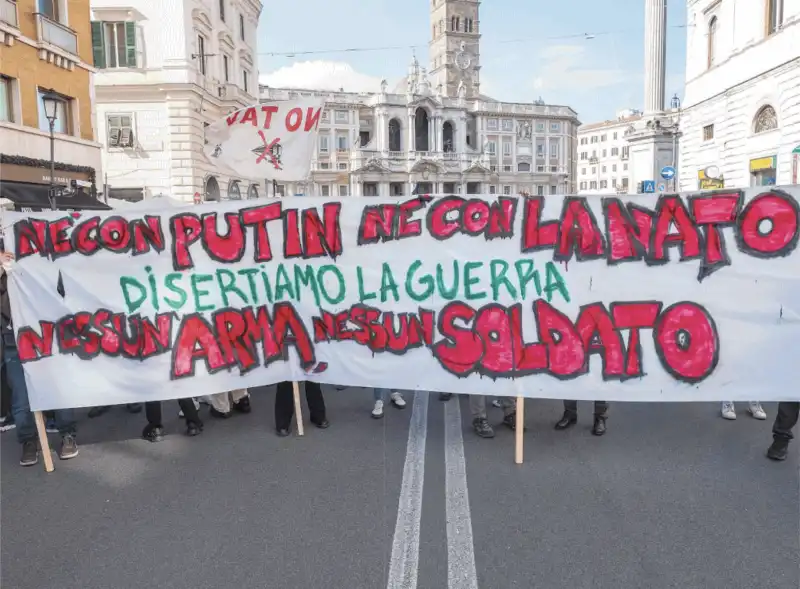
(56, 34)
(8, 13)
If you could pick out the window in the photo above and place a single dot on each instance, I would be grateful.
(394, 135)
(583, 155)
(583, 140)
(540, 149)
(201, 54)
(708, 132)
(553, 189)
(491, 147)
(603, 170)
(234, 191)
(491, 124)
(553, 169)
(508, 125)
(613, 183)
(325, 190)
(613, 167)
(492, 190)
(467, 25)
(603, 137)
(370, 189)
(341, 116)
(712, 40)
(507, 148)
(540, 169)
(594, 169)
(343, 190)
(614, 151)
(603, 183)
(252, 191)
(625, 167)
(6, 104)
(341, 165)
(553, 150)
(555, 126)
(540, 190)
(615, 134)
(222, 10)
(341, 142)
(506, 168)
(774, 16)
(583, 186)
(49, 8)
(226, 67)
(523, 167)
(119, 129)
(324, 166)
(583, 171)
(62, 121)
(625, 152)
(323, 143)
(605, 152)
(625, 183)
(114, 44)
(593, 185)
(766, 120)
(241, 26)
(594, 139)
(245, 80)
(506, 190)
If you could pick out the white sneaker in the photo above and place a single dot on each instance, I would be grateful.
(398, 400)
(728, 410)
(756, 410)
(377, 411)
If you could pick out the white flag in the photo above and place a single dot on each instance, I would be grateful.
(273, 140)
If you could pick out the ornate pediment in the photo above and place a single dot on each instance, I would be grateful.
(372, 166)
(477, 167)
(225, 41)
(428, 101)
(201, 19)
(244, 55)
(426, 165)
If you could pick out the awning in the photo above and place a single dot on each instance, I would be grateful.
(35, 197)
(129, 194)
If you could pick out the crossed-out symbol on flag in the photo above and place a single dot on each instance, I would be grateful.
(268, 150)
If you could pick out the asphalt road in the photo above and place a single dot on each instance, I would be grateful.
(672, 497)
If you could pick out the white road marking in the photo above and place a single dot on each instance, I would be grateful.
(461, 572)
(404, 564)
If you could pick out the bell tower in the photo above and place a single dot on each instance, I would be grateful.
(455, 47)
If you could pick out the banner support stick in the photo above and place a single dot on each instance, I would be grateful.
(519, 430)
(297, 408)
(47, 456)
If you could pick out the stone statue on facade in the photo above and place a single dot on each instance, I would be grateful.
(524, 130)
(384, 86)
(462, 90)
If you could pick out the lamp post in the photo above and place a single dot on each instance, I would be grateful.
(50, 102)
(675, 104)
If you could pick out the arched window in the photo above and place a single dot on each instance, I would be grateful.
(394, 135)
(712, 40)
(523, 167)
(421, 130)
(765, 120)
(448, 137)
(234, 193)
(212, 189)
(252, 192)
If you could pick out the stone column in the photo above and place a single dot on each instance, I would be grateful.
(411, 128)
(655, 51)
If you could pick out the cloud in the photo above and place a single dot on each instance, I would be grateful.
(321, 75)
(562, 68)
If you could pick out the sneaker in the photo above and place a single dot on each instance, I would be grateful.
(30, 453)
(50, 426)
(69, 447)
(482, 427)
(153, 433)
(194, 428)
(398, 400)
(243, 405)
(779, 449)
(7, 423)
(510, 421)
(445, 396)
(496, 403)
(728, 410)
(377, 411)
(756, 410)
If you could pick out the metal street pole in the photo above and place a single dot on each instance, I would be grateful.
(52, 165)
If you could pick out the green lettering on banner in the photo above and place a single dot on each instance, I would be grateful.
(526, 273)
(498, 270)
(267, 285)
(282, 283)
(448, 295)
(307, 278)
(555, 282)
(153, 288)
(250, 274)
(470, 281)
(227, 283)
(426, 280)
(198, 292)
(388, 283)
(323, 289)
(362, 294)
(125, 282)
(169, 283)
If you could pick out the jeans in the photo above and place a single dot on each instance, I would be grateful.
(381, 394)
(600, 408)
(786, 420)
(20, 408)
(477, 406)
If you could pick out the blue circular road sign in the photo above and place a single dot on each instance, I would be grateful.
(667, 172)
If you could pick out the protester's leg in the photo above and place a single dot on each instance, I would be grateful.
(571, 407)
(284, 407)
(379, 396)
(600, 416)
(785, 421)
(477, 406)
(5, 396)
(194, 425)
(570, 416)
(508, 405)
(220, 404)
(65, 423)
(20, 409)
(601, 409)
(153, 431)
(316, 404)
(241, 400)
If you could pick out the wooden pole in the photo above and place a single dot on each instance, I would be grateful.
(43, 441)
(297, 408)
(519, 430)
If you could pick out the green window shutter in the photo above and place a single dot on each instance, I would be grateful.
(98, 45)
(130, 44)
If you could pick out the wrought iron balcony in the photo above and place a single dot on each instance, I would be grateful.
(54, 33)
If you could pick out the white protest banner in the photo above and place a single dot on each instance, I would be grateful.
(638, 298)
(273, 140)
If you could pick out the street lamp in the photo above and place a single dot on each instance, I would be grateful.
(50, 102)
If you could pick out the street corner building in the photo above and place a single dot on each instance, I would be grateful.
(46, 81)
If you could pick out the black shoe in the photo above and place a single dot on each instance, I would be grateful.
(567, 420)
(482, 427)
(779, 449)
(445, 396)
(599, 427)
(30, 453)
(69, 447)
(242, 405)
(134, 407)
(153, 433)
(282, 432)
(98, 411)
(219, 414)
(510, 421)
(321, 424)
(193, 428)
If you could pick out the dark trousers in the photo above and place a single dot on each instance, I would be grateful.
(785, 420)
(600, 408)
(284, 404)
(152, 410)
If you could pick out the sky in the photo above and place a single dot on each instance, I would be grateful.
(586, 54)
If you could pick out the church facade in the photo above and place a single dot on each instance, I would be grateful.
(435, 132)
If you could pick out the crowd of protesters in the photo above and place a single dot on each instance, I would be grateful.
(16, 412)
